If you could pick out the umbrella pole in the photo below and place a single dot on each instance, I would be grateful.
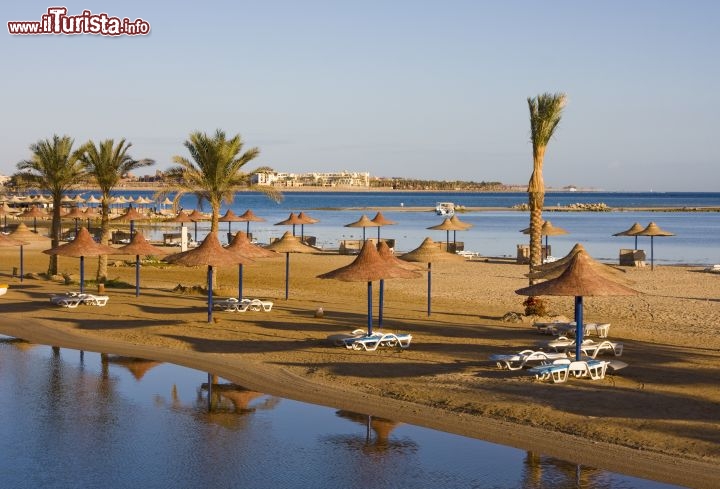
(132, 227)
(196, 231)
(137, 275)
(652, 258)
(369, 325)
(82, 273)
(579, 334)
(380, 301)
(240, 281)
(247, 229)
(35, 224)
(363, 234)
(636, 241)
(287, 275)
(378, 234)
(21, 263)
(210, 297)
(429, 285)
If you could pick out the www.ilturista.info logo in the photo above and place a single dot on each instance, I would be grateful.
(56, 21)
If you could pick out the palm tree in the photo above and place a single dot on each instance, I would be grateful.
(54, 168)
(545, 114)
(215, 172)
(107, 163)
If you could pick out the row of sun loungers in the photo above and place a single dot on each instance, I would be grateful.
(73, 299)
(559, 371)
(360, 340)
(601, 330)
(234, 305)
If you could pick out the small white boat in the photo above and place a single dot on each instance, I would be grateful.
(445, 208)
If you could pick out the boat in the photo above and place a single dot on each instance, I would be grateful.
(445, 208)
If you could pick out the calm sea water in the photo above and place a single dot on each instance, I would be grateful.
(70, 421)
(494, 233)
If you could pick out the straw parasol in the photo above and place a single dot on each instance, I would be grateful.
(74, 213)
(33, 212)
(289, 244)
(197, 216)
(547, 230)
(83, 245)
(131, 215)
(292, 220)
(249, 216)
(92, 200)
(579, 279)
(448, 225)
(230, 217)
(6, 210)
(23, 233)
(243, 247)
(380, 220)
(387, 255)
(139, 246)
(428, 252)
(305, 219)
(653, 230)
(210, 253)
(367, 267)
(456, 221)
(363, 222)
(79, 199)
(7, 241)
(633, 231)
(551, 270)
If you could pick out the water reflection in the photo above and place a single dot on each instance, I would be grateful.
(83, 423)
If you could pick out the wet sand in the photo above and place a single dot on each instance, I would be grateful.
(658, 418)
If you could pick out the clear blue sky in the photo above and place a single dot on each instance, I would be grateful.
(410, 88)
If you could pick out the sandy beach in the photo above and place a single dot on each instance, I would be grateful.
(659, 418)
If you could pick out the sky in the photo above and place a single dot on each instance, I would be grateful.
(404, 88)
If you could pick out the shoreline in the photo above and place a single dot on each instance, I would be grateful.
(284, 383)
(655, 419)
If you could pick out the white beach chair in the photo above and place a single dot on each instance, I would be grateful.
(525, 358)
(69, 299)
(260, 305)
(371, 343)
(94, 300)
(556, 372)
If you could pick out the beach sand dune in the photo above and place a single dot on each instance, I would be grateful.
(658, 418)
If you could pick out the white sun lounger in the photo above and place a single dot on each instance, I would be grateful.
(517, 361)
(260, 305)
(371, 343)
(94, 300)
(70, 300)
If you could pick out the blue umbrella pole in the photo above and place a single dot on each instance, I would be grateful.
(429, 285)
(82, 273)
(21, 263)
(380, 301)
(247, 229)
(240, 282)
(210, 295)
(369, 329)
(636, 241)
(196, 231)
(652, 258)
(578, 326)
(137, 275)
(378, 234)
(287, 275)
(132, 227)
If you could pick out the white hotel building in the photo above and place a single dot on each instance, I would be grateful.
(334, 179)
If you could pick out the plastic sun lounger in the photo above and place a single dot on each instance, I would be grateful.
(260, 305)
(94, 300)
(70, 300)
(517, 361)
(371, 343)
(341, 339)
(231, 304)
(593, 349)
(556, 373)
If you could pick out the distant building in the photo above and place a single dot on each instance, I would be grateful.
(314, 179)
(4, 180)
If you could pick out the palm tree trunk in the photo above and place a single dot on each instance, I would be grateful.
(104, 238)
(536, 201)
(55, 227)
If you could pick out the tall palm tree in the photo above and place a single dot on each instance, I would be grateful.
(215, 172)
(106, 163)
(54, 168)
(545, 114)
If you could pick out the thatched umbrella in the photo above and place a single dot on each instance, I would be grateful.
(363, 222)
(93, 200)
(197, 216)
(579, 279)
(547, 230)
(243, 247)
(428, 252)
(366, 267)
(181, 218)
(387, 255)
(23, 233)
(292, 220)
(653, 230)
(33, 212)
(305, 219)
(131, 215)
(633, 231)
(380, 221)
(139, 246)
(6, 241)
(210, 253)
(91, 213)
(83, 245)
(6, 210)
(289, 244)
(74, 213)
(448, 225)
(229, 218)
(551, 270)
(249, 216)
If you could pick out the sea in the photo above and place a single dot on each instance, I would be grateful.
(495, 228)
